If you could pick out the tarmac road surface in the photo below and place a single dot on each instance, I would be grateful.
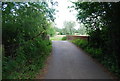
(70, 62)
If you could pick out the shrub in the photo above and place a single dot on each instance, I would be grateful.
(99, 54)
(29, 60)
(80, 42)
(95, 52)
(64, 38)
(24, 34)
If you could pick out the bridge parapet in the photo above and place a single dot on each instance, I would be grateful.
(71, 37)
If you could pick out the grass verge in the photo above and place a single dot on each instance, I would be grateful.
(99, 55)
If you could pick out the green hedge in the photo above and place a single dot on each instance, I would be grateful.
(64, 38)
(99, 54)
(25, 29)
(81, 43)
(29, 60)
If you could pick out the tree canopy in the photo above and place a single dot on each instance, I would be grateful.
(101, 20)
(25, 27)
(69, 27)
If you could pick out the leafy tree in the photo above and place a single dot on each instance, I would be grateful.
(69, 27)
(51, 30)
(101, 20)
(25, 27)
(82, 30)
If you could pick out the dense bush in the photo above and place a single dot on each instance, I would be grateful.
(95, 53)
(64, 38)
(101, 20)
(80, 42)
(29, 60)
(98, 54)
(26, 47)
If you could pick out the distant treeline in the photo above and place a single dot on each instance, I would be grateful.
(69, 29)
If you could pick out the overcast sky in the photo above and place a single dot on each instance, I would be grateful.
(64, 13)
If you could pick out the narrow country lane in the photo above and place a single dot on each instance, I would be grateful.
(70, 62)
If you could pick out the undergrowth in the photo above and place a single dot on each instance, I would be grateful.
(98, 54)
(29, 60)
(64, 38)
